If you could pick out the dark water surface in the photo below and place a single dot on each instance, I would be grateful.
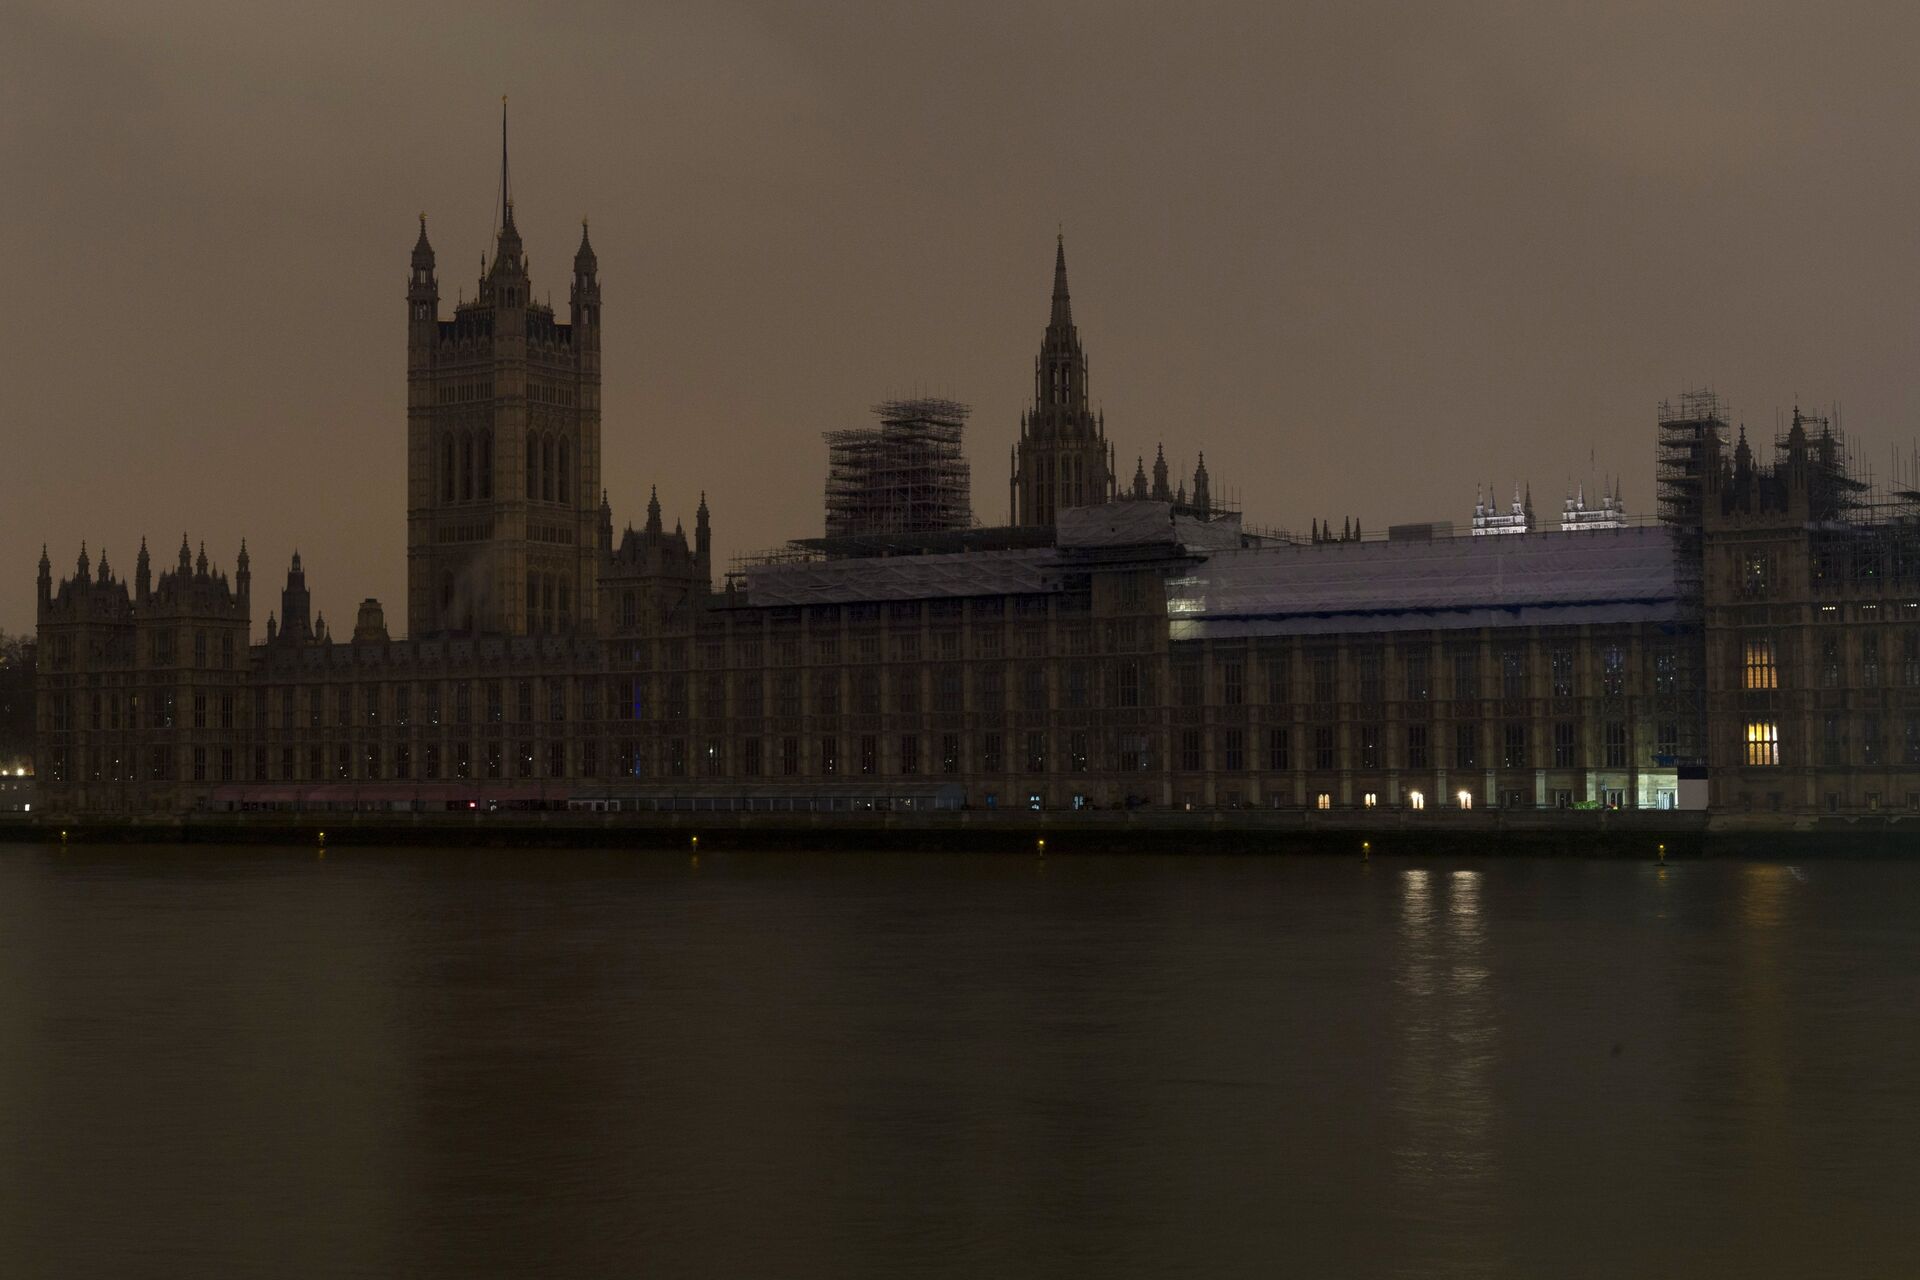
(256, 1062)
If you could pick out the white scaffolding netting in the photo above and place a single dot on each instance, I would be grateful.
(1544, 579)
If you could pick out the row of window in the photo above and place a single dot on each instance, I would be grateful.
(1836, 746)
(466, 466)
(1761, 659)
(716, 757)
(153, 710)
(1366, 674)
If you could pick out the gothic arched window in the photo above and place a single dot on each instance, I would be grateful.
(546, 469)
(565, 484)
(446, 468)
(466, 466)
(486, 464)
(533, 467)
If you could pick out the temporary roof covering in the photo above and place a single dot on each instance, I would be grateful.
(979, 573)
(1544, 579)
(1141, 524)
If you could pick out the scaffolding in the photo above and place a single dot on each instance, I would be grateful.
(1693, 430)
(906, 475)
(1692, 434)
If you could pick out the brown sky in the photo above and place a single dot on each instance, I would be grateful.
(1364, 256)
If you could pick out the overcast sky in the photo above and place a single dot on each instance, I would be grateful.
(1364, 256)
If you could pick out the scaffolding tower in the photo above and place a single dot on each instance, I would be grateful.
(1692, 431)
(906, 475)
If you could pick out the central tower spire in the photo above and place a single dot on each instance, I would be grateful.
(1061, 322)
(1063, 459)
(505, 211)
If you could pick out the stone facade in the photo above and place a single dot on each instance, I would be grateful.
(1813, 635)
(1110, 650)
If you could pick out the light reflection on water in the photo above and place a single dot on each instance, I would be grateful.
(435, 1063)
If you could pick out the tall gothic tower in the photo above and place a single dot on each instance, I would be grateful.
(503, 446)
(1063, 459)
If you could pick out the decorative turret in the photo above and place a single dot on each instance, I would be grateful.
(586, 292)
(370, 627)
(423, 300)
(200, 565)
(1161, 491)
(653, 513)
(1139, 477)
(186, 555)
(1488, 519)
(294, 603)
(142, 575)
(242, 574)
(46, 578)
(83, 569)
(1202, 498)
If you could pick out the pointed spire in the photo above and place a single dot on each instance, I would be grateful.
(506, 187)
(200, 566)
(584, 260)
(653, 511)
(422, 248)
(85, 565)
(1062, 318)
(105, 573)
(46, 565)
(186, 555)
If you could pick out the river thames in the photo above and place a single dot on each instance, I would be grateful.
(263, 1061)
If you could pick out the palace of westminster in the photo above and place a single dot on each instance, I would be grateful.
(1118, 644)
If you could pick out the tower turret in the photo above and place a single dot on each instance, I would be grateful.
(423, 302)
(586, 292)
(1161, 491)
(503, 446)
(1202, 496)
(46, 578)
(243, 575)
(294, 603)
(142, 574)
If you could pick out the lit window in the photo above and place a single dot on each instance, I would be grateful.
(1370, 800)
(1466, 799)
(1760, 670)
(1416, 800)
(1323, 800)
(1763, 742)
